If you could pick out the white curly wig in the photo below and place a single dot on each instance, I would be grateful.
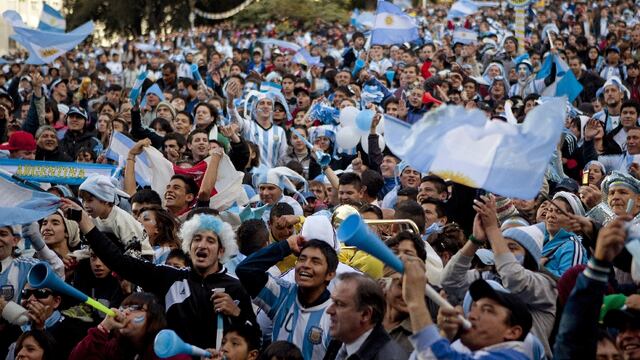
(203, 222)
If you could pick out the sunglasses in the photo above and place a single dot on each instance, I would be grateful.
(132, 307)
(37, 293)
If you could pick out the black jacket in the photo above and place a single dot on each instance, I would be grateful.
(186, 294)
(378, 345)
(55, 155)
(72, 142)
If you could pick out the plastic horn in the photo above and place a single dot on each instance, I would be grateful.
(354, 232)
(323, 158)
(167, 344)
(357, 67)
(42, 276)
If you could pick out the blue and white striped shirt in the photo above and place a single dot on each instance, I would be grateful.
(14, 273)
(307, 328)
(271, 141)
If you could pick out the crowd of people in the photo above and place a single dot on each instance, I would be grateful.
(268, 278)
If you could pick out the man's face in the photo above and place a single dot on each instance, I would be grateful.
(410, 178)
(113, 96)
(428, 189)
(36, 300)
(394, 294)
(152, 100)
(264, 108)
(430, 214)
(312, 269)
(279, 62)
(618, 197)
(392, 109)
(358, 43)
(426, 52)
(346, 319)
(613, 57)
(633, 141)
(319, 191)
(181, 124)
(205, 250)
(388, 166)
(61, 90)
(7, 242)
(269, 194)
(489, 320)
(303, 100)
(75, 122)
(574, 64)
(287, 85)
(628, 117)
(628, 341)
(99, 269)
(612, 95)
(409, 75)
(607, 350)
(176, 196)
(415, 97)
(278, 232)
(348, 194)
(165, 113)
(23, 154)
(343, 78)
(53, 230)
(199, 145)
(234, 347)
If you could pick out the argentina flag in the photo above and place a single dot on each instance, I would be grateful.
(22, 204)
(465, 147)
(392, 26)
(51, 20)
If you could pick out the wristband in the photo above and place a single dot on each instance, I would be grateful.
(475, 241)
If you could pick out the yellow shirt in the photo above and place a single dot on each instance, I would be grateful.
(362, 261)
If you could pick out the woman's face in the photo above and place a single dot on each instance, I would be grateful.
(103, 123)
(148, 221)
(556, 220)
(593, 54)
(30, 350)
(108, 110)
(299, 119)
(84, 157)
(595, 175)
(323, 142)
(541, 214)
(137, 321)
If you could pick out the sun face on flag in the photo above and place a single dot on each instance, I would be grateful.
(388, 20)
(457, 177)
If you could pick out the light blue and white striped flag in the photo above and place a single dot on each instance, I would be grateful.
(51, 20)
(392, 26)
(119, 150)
(465, 147)
(566, 83)
(22, 205)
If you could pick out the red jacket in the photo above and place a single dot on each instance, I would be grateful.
(98, 345)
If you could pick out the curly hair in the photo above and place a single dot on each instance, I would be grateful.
(201, 222)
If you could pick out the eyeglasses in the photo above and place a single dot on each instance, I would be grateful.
(37, 293)
(131, 307)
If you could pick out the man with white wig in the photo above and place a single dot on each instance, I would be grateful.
(196, 299)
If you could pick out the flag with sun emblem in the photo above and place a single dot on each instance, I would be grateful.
(392, 26)
(467, 148)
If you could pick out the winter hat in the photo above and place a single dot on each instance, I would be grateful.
(319, 227)
(529, 237)
(279, 176)
(168, 106)
(573, 200)
(102, 187)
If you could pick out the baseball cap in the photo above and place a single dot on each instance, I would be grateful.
(20, 140)
(57, 82)
(74, 110)
(622, 319)
(520, 314)
(612, 48)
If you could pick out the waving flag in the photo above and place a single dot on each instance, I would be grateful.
(303, 57)
(45, 46)
(20, 204)
(392, 26)
(280, 43)
(463, 146)
(362, 21)
(51, 20)
(154, 170)
(566, 83)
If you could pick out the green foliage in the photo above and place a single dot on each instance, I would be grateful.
(305, 11)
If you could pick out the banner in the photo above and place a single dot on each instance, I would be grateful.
(56, 172)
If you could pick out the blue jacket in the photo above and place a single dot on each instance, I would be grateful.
(564, 251)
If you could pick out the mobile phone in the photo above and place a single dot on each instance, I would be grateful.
(585, 177)
(75, 215)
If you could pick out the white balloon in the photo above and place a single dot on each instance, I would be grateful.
(347, 137)
(364, 142)
(348, 116)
